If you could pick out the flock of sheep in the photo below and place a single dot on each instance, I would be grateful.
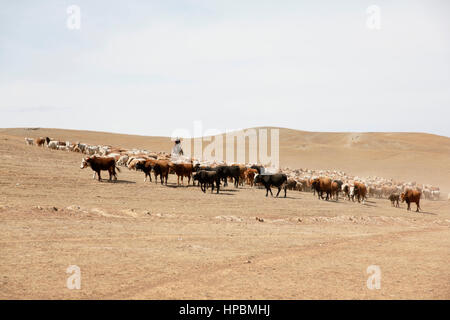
(298, 179)
(377, 187)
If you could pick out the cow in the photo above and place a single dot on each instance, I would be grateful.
(225, 172)
(336, 186)
(410, 196)
(291, 184)
(40, 142)
(182, 170)
(161, 168)
(249, 176)
(322, 185)
(199, 167)
(278, 180)
(346, 190)
(313, 185)
(29, 141)
(146, 166)
(98, 164)
(394, 198)
(206, 178)
(132, 162)
(359, 190)
(258, 168)
(242, 170)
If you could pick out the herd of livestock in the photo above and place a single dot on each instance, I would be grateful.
(326, 184)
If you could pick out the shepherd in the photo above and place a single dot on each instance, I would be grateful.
(177, 150)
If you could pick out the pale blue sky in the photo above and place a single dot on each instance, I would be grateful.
(151, 67)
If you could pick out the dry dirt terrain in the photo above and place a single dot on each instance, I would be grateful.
(136, 240)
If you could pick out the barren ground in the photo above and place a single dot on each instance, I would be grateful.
(146, 241)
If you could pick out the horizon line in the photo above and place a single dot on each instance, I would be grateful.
(221, 132)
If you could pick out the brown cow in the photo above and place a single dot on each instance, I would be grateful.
(322, 185)
(40, 142)
(249, 176)
(101, 163)
(335, 189)
(360, 191)
(314, 185)
(242, 175)
(161, 168)
(182, 170)
(411, 196)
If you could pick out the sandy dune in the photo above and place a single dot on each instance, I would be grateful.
(142, 240)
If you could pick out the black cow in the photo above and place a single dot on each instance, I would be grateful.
(199, 167)
(146, 167)
(395, 198)
(278, 180)
(225, 172)
(206, 178)
(260, 169)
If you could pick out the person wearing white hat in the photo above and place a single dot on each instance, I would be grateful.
(177, 150)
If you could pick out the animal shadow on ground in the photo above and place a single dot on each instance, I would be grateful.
(425, 212)
(369, 205)
(183, 186)
(215, 193)
(282, 197)
(186, 186)
(118, 181)
(171, 185)
(228, 189)
(334, 201)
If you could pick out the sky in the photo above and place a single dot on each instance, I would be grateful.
(154, 67)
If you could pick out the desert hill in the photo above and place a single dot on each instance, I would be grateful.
(175, 242)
